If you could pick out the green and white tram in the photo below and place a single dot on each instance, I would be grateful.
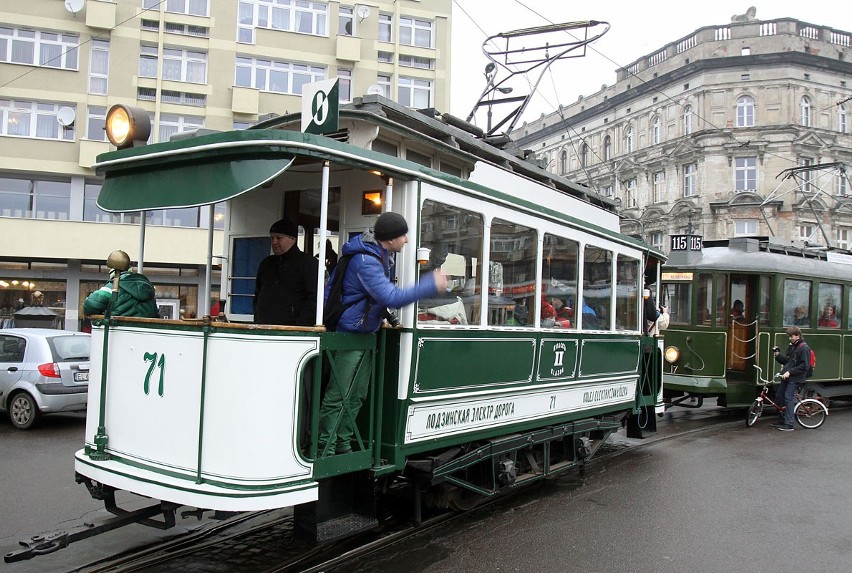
(475, 394)
(731, 302)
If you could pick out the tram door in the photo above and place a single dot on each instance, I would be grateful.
(742, 322)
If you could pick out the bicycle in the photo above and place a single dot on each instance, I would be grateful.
(810, 412)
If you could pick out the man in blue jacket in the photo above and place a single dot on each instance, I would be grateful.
(367, 294)
(796, 363)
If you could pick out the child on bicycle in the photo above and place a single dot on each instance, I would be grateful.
(796, 364)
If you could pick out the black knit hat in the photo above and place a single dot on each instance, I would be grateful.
(285, 227)
(389, 226)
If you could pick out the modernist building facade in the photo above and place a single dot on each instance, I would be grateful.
(693, 137)
(191, 64)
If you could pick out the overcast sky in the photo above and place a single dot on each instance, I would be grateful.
(637, 29)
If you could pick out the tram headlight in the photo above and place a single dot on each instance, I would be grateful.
(127, 126)
(672, 354)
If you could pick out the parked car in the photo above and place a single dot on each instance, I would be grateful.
(42, 371)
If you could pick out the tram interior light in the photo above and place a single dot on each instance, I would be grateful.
(371, 203)
(672, 354)
(127, 126)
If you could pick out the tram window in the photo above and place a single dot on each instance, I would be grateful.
(723, 308)
(764, 300)
(455, 239)
(797, 302)
(705, 301)
(597, 286)
(680, 301)
(559, 274)
(248, 252)
(627, 293)
(830, 302)
(849, 305)
(512, 288)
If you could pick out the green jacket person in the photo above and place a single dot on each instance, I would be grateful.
(135, 297)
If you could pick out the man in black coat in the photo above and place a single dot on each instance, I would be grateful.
(286, 287)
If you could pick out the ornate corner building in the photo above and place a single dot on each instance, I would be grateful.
(191, 64)
(696, 136)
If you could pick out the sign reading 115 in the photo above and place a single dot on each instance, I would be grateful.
(685, 243)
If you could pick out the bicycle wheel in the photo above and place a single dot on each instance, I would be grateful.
(811, 413)
(754, 412)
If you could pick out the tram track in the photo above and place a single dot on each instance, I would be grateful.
(238, 539)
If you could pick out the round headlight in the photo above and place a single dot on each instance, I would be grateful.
(672, 354)
(127, 126)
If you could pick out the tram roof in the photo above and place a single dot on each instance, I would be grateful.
(760, 255)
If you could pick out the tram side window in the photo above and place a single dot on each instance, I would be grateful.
(559, 274)
(705, 301)
(764, 300)
(849, 305)
(679, 297)
(627, 293)
(797, 302)
(830, 305)
(723, 307)
(455, 239)
(597, 286)
(511, 285)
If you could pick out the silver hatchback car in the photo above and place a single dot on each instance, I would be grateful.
(42, 371)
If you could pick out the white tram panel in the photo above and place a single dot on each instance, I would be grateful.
(246, 446)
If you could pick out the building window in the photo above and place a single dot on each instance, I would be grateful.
(35, 198)
(299, 16)
(607, 191)
(384, 82)
(385, 28)
(745, 227)
(806, 112)
(656, 130)
(274, 76)
(842, 183)
(628, 140)
(182, 98)
(415, 93)
(385, 57)
(171, 124)
(807, 232)
(659, 186)
(416, 62)
(841, 119)
(584, 155)
(345, 21)
(345, 84)
(185, 29)
(657, 239)
(148, 61)
(191, 7)
(99, 67)
(95, 123)
(687, 120)
(745, 111)
(33, 119)
(38, 48)
(844, 236)
(630, 192)
(414, 32)
(184, 66)
(689, 179)
(745, 173)
(563, 162)
(806, 177)
(607, 148)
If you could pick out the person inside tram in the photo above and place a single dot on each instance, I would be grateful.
(800, 316)
(828, 318)
(556, 309)
(286, 285)
(738, 311)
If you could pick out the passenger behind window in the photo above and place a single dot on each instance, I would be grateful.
(829, 318)
(800, 316)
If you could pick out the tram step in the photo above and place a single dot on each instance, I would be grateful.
(344, 526)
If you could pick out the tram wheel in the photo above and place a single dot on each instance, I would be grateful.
(448, 496)
(754, 412)
(23, 411)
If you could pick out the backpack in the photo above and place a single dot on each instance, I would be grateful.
(811, 362)
(334, 308)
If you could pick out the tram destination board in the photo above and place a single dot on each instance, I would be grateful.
(685, 243)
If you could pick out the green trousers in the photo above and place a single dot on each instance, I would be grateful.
(343, 399)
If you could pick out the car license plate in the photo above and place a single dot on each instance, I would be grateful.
(81, 377)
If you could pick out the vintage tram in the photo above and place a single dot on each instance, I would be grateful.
(475, 394)
(730, 303)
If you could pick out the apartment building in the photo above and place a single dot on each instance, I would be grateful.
(692, 138)
(191, 64)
